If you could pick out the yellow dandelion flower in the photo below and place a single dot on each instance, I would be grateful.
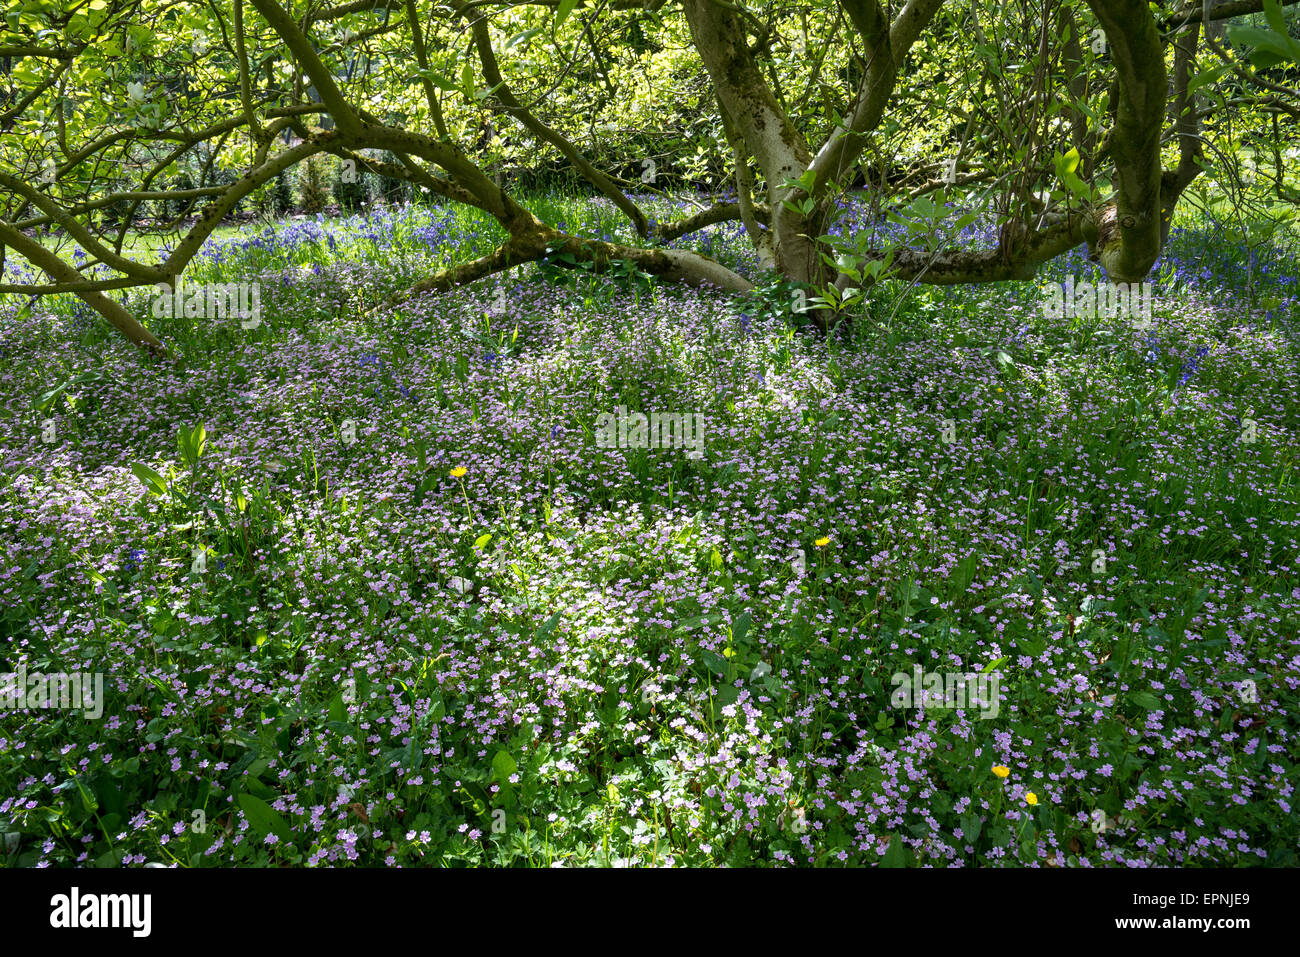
(458, 471)
(1031, 798)
(1001, 770)
(822, 542)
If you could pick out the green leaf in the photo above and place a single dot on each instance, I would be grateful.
(1273, 14)
(1270, 46)
(546, 627)
(1067, 164)
(1145, 699)
(481, 541)
(1030, 646)
(151, 479)
(503, 765)
(896, 856)
(715, 663)
(192, 442)
(338, 710)
(437, 79)
(523, 37)
(562, 12)
(992, 665)
(726, 694)
(1065, 172)
(263, 818)
(1204, 77)
(95, 576)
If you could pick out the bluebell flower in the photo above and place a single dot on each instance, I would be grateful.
(1192, 365)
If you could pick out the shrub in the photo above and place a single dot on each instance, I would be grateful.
(350, 186)
(313, 187)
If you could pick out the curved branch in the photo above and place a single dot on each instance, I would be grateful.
(492, 74)
(348, 121)
(721, 213)
(62, 273)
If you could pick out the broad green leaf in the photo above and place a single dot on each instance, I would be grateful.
(1269, 46)
(1067, 163)
(547, 626)
(741, 627)
(503, 765)
(263, 818)
(563, 10)
(437, 79)
(151, 479)
(524, 37)
(338, 710)
(896, 856)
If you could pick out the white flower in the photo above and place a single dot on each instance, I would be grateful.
(462, 585)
